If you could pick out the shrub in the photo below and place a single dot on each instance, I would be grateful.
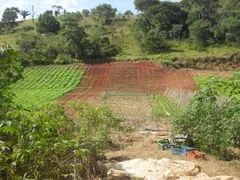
(25, 28)
(212, 120)
(47, 23)
(200, 33)
(154, 42)
(44, 144)
(64, 59)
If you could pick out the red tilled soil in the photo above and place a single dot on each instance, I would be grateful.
(128, 77)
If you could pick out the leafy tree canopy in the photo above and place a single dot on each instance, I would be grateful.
(57, 11)
(10, 15)
(70, 19)
(85, 12)
(201, 9)
(105, 11)
(47, 23)
(10, 72)
(143, 5)
(128, 13)
(163, 16)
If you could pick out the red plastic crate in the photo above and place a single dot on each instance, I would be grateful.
(195, 155)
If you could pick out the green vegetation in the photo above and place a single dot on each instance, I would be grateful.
(184, 34)
(227, 87)
(44, 143)
(47, 23)
(163, 106)
(44, 84)
(212, 119)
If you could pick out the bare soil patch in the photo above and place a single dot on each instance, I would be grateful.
(127, 78)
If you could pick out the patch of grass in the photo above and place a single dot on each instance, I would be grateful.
(180, 50)
(43, 84)
(163, 106)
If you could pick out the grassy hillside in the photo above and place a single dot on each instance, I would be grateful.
(130, 50)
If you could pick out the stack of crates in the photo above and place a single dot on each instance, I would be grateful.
(189, 152)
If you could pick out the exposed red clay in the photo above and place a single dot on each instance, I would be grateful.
(128, 77)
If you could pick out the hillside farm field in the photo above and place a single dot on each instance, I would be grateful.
(142, 93)
(126, 87)
(43, 84)
(131, 90)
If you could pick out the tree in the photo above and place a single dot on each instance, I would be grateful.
(128, 13)
(72, 36)
(105, 12)
(162, 17)
(200, 33)
(70, 19)
(10, 72)
(57, 11)
(201, 9)
(33, 12)
(154, 42)
(74, 41)
(47, 23)
(24, 14)
(231, 28)
(85, 12)
(143, 5)
(10, 16)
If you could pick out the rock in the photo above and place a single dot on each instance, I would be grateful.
(163, 169)
(153, 169)
(202, 175)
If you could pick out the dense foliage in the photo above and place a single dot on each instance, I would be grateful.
(71, 43)
(212, 120)
(105, 12)
(10, 72)
(47, 23)
(143, 5)
(204, 23)
(44, 144)
(10, 16)
(161, 22)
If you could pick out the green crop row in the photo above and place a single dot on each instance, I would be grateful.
(163, 106)
(43, 84)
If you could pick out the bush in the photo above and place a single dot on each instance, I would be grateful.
(47, 23)
(64, 59)
(154, 42)
(25, 28)
(200, 33)
(213, 121)
(44, 144)
(38, 49)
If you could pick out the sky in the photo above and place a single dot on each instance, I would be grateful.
(70, 5)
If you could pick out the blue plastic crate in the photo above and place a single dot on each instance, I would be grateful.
(181, 151)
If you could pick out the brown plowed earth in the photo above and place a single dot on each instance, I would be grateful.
(128, 77)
